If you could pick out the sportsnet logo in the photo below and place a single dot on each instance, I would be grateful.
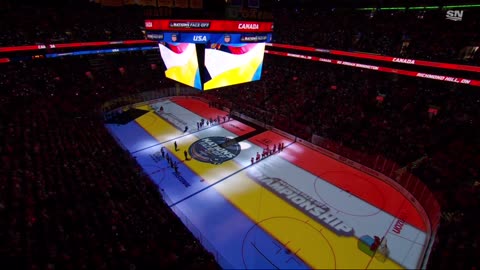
(455, 15)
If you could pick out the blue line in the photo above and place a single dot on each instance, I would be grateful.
(211, 185)
(181, 136)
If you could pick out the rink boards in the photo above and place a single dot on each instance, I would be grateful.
(294, 209)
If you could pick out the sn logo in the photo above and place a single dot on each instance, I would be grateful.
(454, 15)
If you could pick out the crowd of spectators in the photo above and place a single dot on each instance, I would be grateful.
(340, 105)
(49, 133)
(37, 24)
(41, 25)
(96, 78)
(70, 196)
(68, 199)
(416, 34)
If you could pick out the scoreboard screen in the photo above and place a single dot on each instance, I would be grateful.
(233, 64)
(211, 54)
(181, 63)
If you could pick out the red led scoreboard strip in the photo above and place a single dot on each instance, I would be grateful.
(380, 57)
(103, 43)
(277, 45)
(74, 45)
(380, 68)
(304, 48)
(208, 26)
(22, 48)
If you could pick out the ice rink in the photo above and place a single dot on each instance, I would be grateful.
(292, 209)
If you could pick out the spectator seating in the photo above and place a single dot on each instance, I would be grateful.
(58, 162)
(414, 34)
(70, 197)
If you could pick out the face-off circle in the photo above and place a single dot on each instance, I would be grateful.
(215, 150)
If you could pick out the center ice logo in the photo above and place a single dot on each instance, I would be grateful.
(215, 150)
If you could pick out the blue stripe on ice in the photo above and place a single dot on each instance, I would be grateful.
(132, 136)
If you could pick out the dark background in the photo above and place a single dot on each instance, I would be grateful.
(266, 4)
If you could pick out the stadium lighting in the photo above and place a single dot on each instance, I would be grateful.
(393, 8)
(425, 8)
(461, 6)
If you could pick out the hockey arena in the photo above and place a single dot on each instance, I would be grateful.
(260, 199)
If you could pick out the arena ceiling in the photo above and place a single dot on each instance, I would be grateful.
(268, 4)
